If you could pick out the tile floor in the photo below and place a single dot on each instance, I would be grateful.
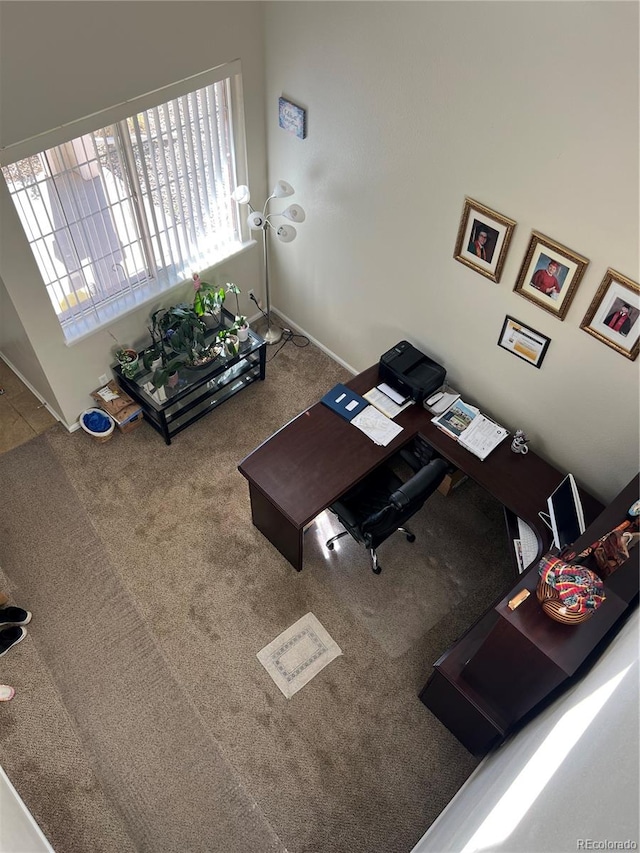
(22, 415)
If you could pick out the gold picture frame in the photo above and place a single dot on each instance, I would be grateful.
(550, 275)
(483, 239)
(606, 318)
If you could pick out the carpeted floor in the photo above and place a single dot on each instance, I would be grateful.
(143, 719)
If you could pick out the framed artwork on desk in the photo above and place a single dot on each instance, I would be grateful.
(550, 275)
(613, 314)
(483, 239)
(523, 341)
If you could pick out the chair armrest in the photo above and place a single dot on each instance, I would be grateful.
(421, 484)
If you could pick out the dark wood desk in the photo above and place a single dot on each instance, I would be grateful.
(313, 460)
(509, 662)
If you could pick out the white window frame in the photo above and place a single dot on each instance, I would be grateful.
(80, 328)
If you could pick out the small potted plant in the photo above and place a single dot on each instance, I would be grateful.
(128, 361)
(208, 301)
(167, 374)
(155, 356)
(126, 357)
(229, 339)
(241, 323)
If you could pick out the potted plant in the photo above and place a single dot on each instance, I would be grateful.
(229, 339)
(208, 301)
(241, 323)
(155, 356)
(128, 360)
(167, 374)
(185, 336)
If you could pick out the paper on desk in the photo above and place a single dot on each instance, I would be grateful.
(482, 436)
(385, 404)
(379, 428)
(448, 399)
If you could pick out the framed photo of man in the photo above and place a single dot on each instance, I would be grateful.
(550, 275)
(483, 239)
(613, 314)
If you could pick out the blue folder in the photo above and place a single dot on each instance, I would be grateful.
(344, 401)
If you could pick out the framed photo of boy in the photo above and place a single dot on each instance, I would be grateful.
(550, 275)
(613, 314)
(523, 341)
(483, 239)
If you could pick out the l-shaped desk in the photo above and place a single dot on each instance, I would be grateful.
(318, 456)
(508, 662)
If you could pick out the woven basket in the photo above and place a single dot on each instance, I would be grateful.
(553, 606)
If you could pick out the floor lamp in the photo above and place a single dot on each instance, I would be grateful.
(285, 233)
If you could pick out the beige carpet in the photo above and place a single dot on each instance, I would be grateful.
(143, 719)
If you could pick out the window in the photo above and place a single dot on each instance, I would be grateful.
(122, 212)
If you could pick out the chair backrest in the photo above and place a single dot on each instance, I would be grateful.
(403, 503)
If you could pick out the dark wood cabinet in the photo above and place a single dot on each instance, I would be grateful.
(511, 661)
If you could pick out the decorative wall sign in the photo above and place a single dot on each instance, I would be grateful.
(292, 118)
(550, 275)
(483, 239)
(523, 341)
(613, 314)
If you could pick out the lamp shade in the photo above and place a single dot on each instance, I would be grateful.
(282, 189)
(286, 233)
(241, 194)
(295, 213)
(255, 221)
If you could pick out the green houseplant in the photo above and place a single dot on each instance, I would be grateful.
(185, 336)
(127, 358)
(229, 339)
(128, 361)
(164, 375)
(241, 323)
(208, 301)
(157, 351)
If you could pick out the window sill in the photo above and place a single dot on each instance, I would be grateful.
(84, 328)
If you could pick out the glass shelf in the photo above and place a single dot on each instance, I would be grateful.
(198, 390)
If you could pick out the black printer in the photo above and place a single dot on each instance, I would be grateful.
(410, 371)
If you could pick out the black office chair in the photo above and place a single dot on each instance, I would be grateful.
(381, 503)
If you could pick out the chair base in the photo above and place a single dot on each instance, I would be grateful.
(329, 542)
(376, 568)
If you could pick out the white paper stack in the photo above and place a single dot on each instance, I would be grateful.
(379, 428)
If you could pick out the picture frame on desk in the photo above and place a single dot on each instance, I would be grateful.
(483, 239)
(523, 341)
(550, 275)
(612, 317)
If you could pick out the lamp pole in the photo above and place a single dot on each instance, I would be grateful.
(285, 233)
(273, 335)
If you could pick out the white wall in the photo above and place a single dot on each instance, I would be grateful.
(532, 109)
(18, 829)
(571, 774)
(64, 60)
(15, 349)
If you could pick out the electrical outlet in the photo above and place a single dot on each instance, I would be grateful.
(103, 379)
(252, 294)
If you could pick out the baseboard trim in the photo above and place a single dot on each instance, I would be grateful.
(35, 393)
(291, 324)
(252, 320)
